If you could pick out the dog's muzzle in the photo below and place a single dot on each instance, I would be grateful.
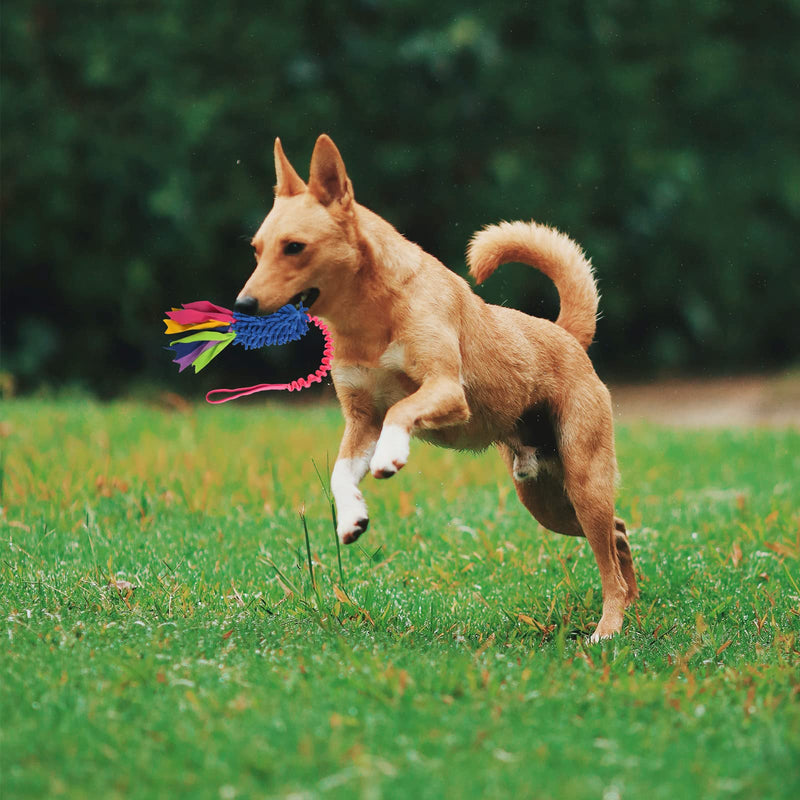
(246, 305)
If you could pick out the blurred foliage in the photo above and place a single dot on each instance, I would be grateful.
(136, 161)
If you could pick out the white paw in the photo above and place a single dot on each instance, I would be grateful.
(351, 510)
(526, 464)
(352, 518)
(391, 454)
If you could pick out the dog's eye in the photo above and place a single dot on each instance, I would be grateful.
(293, 248)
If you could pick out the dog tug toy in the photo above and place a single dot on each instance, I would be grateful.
(211, 328)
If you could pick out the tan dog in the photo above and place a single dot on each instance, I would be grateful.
(418, 354)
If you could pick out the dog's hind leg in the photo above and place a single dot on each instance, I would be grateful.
(547, 500)
(587, 454)
(625, 559)
(355, 451)
(544, 495)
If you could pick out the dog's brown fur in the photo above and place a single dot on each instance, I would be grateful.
(418, 353)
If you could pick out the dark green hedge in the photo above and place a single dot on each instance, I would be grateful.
(137, 138)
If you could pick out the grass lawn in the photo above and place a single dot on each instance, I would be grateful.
(445, 656)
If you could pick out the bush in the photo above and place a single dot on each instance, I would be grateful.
(137, 161)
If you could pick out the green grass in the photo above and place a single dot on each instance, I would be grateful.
(445, 658)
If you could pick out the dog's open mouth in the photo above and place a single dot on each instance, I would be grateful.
(307, 298)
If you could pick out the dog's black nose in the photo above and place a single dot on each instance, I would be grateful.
(246, 305)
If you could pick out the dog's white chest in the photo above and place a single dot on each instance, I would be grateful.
(387, 383)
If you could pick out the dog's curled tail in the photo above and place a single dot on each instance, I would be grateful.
(550, 251)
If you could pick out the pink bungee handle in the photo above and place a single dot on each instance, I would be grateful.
(294, 386)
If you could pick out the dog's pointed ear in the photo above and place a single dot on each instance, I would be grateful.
(328, 180)
(288, 181)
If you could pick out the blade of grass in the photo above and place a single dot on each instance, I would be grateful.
(325, 489)
(308, 553)
(281, 576)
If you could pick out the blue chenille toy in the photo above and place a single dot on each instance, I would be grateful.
(211, 328)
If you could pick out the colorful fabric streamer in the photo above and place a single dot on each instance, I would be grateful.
(210, 328)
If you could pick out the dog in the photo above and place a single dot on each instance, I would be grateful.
(417, 353)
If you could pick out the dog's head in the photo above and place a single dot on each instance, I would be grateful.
(307, 248)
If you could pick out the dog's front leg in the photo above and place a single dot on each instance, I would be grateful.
(358, 444)
(438, 402)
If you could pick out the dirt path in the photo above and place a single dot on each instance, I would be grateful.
(772, 400)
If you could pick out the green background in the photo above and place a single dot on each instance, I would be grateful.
(137, 163)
